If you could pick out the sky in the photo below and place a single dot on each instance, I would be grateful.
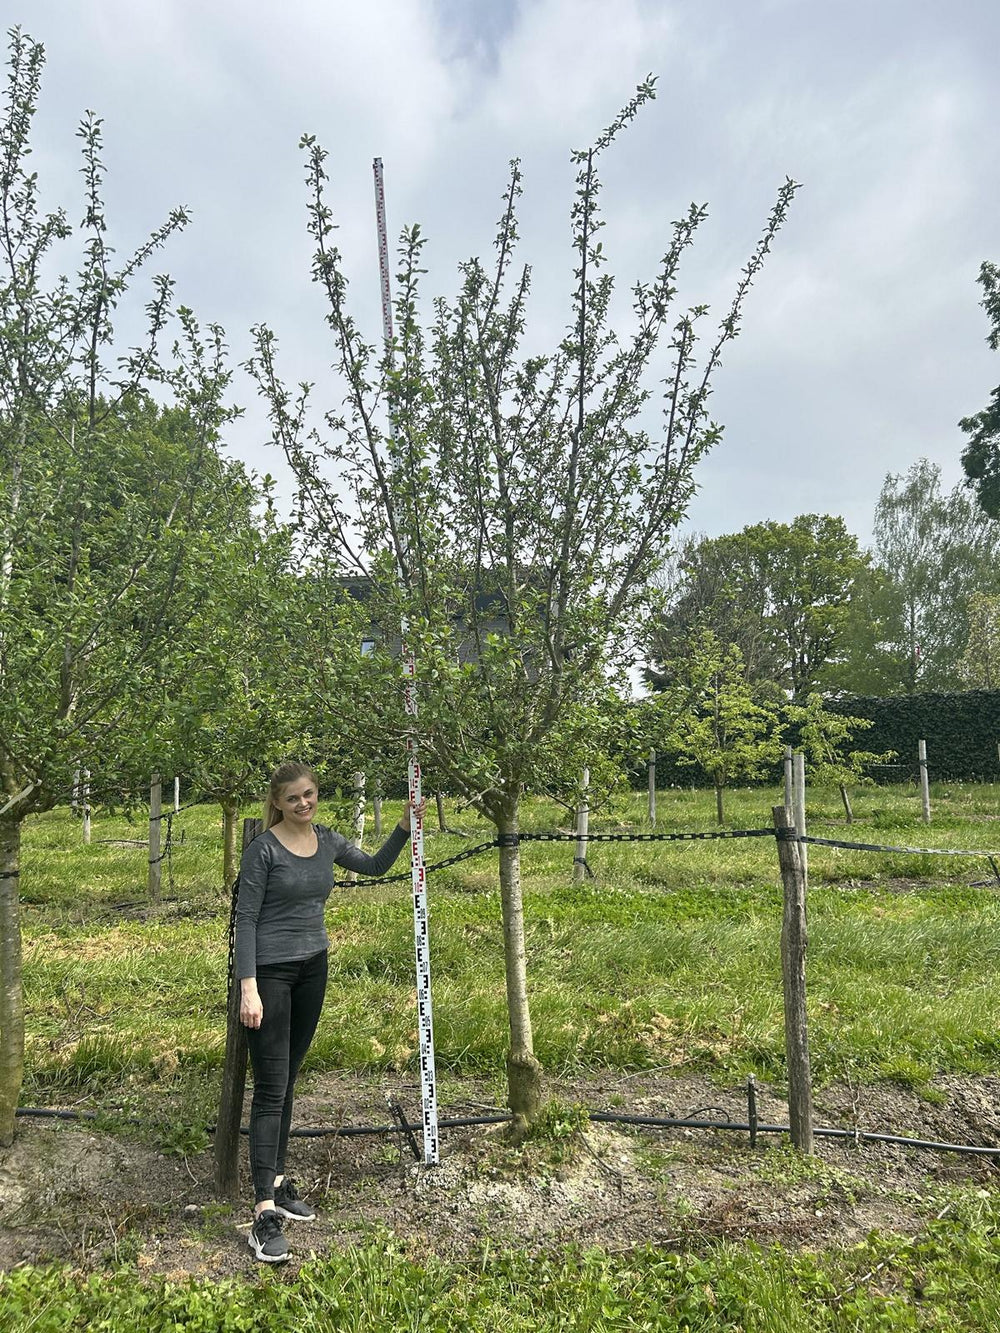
(863, 340)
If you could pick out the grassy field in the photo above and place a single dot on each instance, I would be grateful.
(667, 958)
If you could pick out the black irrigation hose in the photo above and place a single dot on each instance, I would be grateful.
(603, 1117)
(865, 1136)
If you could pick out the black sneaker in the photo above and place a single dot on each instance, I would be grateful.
(288, 1204)
(266, 1240)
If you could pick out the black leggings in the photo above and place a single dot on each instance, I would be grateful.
(292, 996)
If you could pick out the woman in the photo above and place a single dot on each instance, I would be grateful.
(285, 879)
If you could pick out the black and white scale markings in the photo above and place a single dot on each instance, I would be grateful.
(418, 872)
(421, 939)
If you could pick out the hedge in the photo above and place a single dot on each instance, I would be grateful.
(961, 730)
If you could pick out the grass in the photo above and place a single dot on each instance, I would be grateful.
(945, 1280)
(668, 958)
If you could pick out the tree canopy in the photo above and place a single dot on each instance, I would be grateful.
(510, 507)
(981, 457)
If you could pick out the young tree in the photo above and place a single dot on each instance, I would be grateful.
(981, 458)
(514, 508)
(101, 505)
(730, 730)
(823, 737)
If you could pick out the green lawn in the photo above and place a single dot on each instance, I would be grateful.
(668, 957)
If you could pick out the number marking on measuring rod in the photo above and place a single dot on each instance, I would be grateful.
(418, 873)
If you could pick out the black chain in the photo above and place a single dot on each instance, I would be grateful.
(789, 835)
(512, 839)
(436, 865)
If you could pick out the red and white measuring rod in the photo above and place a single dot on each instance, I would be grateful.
(418, 873)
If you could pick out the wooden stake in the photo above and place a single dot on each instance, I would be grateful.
(377, 817)
(789, 798)
(799, 806)
(794, 939)
(155, 831)
(925, 790)
(582, 823)
(85, 798)
(234, 1077)
(652, 788)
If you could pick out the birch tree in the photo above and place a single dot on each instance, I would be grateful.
(511, 506)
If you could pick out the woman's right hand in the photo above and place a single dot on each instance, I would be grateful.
(251, 1008)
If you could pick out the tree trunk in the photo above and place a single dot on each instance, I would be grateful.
(229, 816)
(846, 798)
(11, 987)
(155, 838)
(718, 802)
(524, 1073)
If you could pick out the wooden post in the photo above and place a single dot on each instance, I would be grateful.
(358, 818)
(177, 795)
(925, 790)
(85, 799)
(234, 1075)
(789, 798)
(799, 806)
(651, 782)
(155, 832)
(439, 803)
(582, 822)
(377, 818)
(794, 939)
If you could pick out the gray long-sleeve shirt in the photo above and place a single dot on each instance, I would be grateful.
(279, 911)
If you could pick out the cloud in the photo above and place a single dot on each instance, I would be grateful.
(863, 341)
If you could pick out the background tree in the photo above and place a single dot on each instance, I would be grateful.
(980, 664)
(780, 592)
(981, 457)
(101, 501)
(711, 583)
(934, 550)
(516, 507)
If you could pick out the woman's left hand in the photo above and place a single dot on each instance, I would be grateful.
(418, 808)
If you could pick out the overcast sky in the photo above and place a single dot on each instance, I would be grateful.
(863, 341)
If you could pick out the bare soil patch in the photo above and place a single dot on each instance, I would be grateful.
(97, 1200)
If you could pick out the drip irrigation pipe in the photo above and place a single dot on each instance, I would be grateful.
(860, 1135)
(603, 1117)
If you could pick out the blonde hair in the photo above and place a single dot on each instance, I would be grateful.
(290, 771)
